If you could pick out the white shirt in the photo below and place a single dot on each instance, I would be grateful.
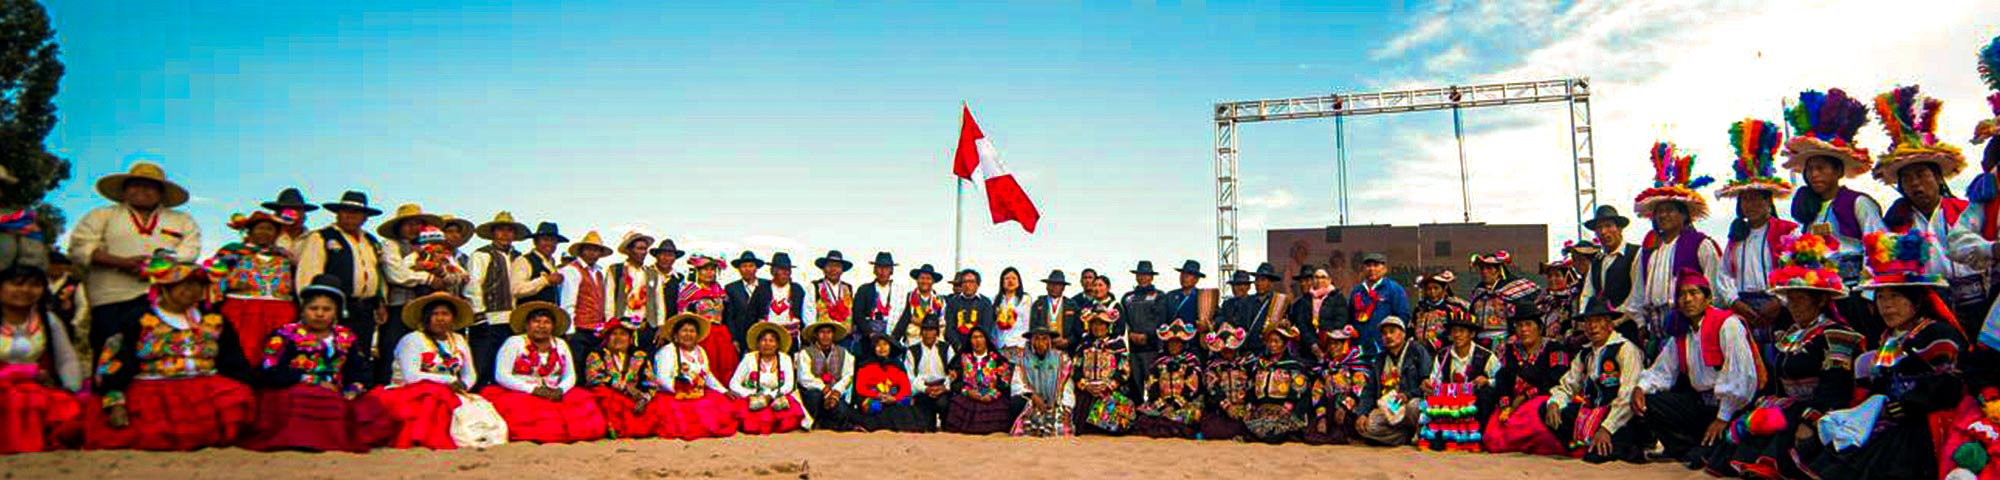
(1733, 385)
(1653, 286)
(561, 380)
(887, 300)
(771, 383)
(1749, 265)
(111, 229)
(667, 366)
(1584, 369)
(410, 360)
(931, 368)
(804, 307)
(1023, 309)
(1866, 212)
(1941, 261)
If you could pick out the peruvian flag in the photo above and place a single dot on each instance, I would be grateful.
(1003, 195)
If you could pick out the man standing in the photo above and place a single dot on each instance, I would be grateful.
(1609, 277)
(1054, 312)
(966, 310)
(116, 241)
(1263, 307)
(400, 234)
(364, 267)
(491, 290)
(1143, 312)
(536, 278)
(876, 303)
(743, 305)
(666, 300)
(1377, 297)
(1184, 303)
(833, 299)
(1674, 245)
(291, 204)
(584, 295)
(1231, 311)
(1086, 277)
(632, 287)
(785, 302)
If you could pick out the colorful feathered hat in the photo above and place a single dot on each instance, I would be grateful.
(1756, 144)
(1989, 71)
(1673, 181)
(1896, 260)
(1803, 265)
(1911, 122)
(1825, 124)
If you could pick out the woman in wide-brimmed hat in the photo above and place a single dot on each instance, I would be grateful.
(42, 370)
(1814, 360)
(765, 385)
(695, 404)
(1279, 388)
(433, 375)
(619, 377)
(535, 387)
(258, 286)
(306, 382)
(1531, 364)
(1225, 384)
(1173, 408)
(189, 396)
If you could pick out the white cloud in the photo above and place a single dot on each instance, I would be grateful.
(1450, 59)
(1273, 198)
(1422, 34)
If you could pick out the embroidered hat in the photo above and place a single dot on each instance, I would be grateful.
(630, 323)
(1498, 257)
(1176, 330)
(243, 222)
(1910, 120)
(1825, 124)
(1226, 336)
(1896, 260)
(1756, 145)
(1804, 265)
(1673, 181)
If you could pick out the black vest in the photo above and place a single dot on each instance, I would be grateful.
(537, 268)
(1614, 282)
(340, 261)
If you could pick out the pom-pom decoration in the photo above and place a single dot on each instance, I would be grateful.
(1910, 120)
(1899, 260)
(1756, 145)
(1804, 263)
(1824, 124)
(1673, 181)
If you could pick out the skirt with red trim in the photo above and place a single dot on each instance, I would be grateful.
(409, 416)
(254, 320)
(174, 414)
(573, 418)
(37, 418)
(304, 417)
(1520, 429)
(623, 418)
(770, 419)
(709, 414)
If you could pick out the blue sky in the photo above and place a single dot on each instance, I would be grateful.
(807, 126)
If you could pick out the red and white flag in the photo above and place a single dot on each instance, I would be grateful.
(1004, 196)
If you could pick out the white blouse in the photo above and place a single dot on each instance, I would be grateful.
(516, 346)
(412, 367)
(670, 361)
(777, 381)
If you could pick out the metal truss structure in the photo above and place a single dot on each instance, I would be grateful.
(1573, 91)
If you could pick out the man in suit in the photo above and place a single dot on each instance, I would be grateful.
(876, 303)
(745, 297)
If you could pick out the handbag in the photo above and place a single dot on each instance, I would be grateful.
(475, 424)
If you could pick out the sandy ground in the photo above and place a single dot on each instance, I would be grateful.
(839, 456)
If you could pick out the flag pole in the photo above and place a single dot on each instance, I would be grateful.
(958, 229)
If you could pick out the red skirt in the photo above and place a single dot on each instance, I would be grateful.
(254, 320)
(769, 420)
(1956, 434)
(621, 414)
(304, 417)
(37, 418)
(721, 351)
(409, 416)
(1523, 431)
(535, 419)
(174, 414)
(713, 415)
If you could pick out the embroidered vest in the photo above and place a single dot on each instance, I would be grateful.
(497, 287)
(340, 261)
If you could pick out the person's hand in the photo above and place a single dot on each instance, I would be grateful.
(828, 401)
(552, 278)
(1036, 401)
(1347, 403)
(438, 281)
(1551, 416)
(458, 386)
(1805, 433)
(115, 416)
(1135, 338)
(1480, 381)
(884, 397)
(547, 393)
(1429, 387)
(1715, 429)
(66, 298)
(1639, 401)
(934, 391)
(381, 315)
(135, 264)
(1601, 443)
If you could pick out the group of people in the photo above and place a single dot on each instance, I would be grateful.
(1846, 341)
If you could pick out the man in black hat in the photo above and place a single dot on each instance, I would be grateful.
(1609, 275)
(291, 204)
(876, 302)
(536, 273)
(833, 298)
(1055, 312)
(1184, 303)
(1141, 314)
(1613, 437)
(784, 301)
(1263, 306)
(1231, 311)
(745, 298)
(667, 298)
(966, 309)
(365, 268)
(921, 305)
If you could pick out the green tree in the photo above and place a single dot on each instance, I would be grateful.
(30, 74)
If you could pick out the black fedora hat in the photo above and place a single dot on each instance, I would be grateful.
(353, 201)
(1607, 213)
(549, 230)
(1305, 272)
(927, 269)
(667, 246)
(1145, 268)
(747, 257)
(1056, 278)
(884, 259)
(781, 260)
(1193, 267)
(1599, 307)
(1240, 277)
(290, 199)
(833, 256)
(1266, 270)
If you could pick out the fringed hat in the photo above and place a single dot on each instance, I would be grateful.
(1803, 265)
(1756, 144)
(1896, 260)
(1825, 124)
(1178, 329)
(1911, 122)
(1673, 181)
(1989, 71)
(1498, 257)
(1225, 337)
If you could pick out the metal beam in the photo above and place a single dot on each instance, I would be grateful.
(1225, 197)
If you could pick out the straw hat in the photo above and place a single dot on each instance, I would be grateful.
(241, 221)
(463, 224)
(839, 329)
(757, 331)
(461, 312)
(701, 325)
(518, 319)
(405, 212)
(112, 186)
(632, 236)
(590, 239)
(501, 220)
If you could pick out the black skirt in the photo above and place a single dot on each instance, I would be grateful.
(974, 417)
